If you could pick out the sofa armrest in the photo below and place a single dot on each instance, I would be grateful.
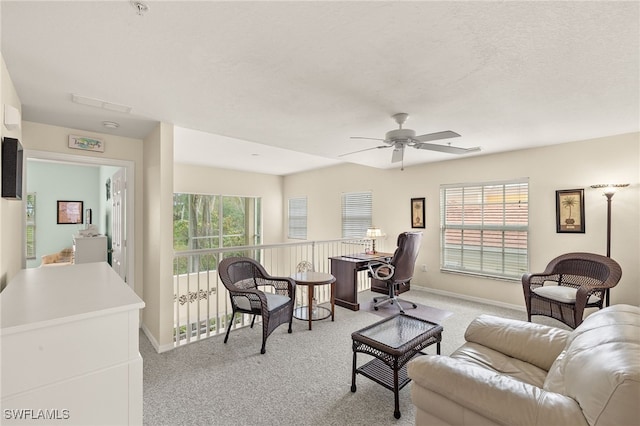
(536, 344)
(497, 397)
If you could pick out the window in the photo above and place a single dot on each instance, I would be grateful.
(485, 227)
(298, 218)
(31, 225)
(203, 221)
(356, 214)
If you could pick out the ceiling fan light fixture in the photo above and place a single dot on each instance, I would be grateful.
(400, 135)
(399, 138)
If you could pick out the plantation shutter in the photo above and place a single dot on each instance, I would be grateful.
(356, 214)
(298, 218)
(485, 227)
(31, 226)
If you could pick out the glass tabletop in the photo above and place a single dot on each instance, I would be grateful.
(397, 331)
(311, 277)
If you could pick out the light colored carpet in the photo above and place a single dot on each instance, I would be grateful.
(303, 379)
(428, 313)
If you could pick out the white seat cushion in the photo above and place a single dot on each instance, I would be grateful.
(273, 301)
(561, 293)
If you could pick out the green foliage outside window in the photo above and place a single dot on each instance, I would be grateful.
(202, 221)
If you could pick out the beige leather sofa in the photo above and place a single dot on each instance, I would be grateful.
(518, 373)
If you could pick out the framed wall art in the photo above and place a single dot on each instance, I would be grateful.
(417, 212)
(570, 211)
(70, 213)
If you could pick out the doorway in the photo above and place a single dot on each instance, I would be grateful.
(99, 200)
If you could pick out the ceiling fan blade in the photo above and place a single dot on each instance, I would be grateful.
(438, 135)
(367, 149)
(372, 139)
(398, 154)
(445, 148)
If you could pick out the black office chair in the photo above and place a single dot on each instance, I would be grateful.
(398, 271)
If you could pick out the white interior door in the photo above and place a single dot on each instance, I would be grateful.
(118, 223)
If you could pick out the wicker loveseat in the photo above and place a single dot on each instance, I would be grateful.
(519, 373)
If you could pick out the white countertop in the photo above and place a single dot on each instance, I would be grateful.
(42, 297)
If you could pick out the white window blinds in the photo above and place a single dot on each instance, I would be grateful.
(485, 227)
(356, 214)
(298, 218)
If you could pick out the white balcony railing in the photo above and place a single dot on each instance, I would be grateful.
(201, 302)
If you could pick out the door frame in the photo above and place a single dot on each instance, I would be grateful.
(129, 166)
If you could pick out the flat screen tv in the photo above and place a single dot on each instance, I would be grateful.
(12, 157)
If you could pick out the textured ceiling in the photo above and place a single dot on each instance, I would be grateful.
(239, 78)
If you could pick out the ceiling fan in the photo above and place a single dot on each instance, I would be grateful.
(400, 138)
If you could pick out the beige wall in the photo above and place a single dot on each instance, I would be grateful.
(207, 180)
(567, 166)
(11, 211)
(157, 197)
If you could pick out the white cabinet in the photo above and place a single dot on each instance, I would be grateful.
(69, 347)
(90, 249)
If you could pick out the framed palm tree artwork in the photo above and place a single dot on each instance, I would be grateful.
(417, 213)
(570, 211)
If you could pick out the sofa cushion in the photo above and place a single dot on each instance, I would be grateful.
(490, 395)
(498, 362)
(537, 344)
(600, 367)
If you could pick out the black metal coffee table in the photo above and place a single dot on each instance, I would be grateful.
(393, 342)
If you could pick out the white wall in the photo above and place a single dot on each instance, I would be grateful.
(11, 211)
(567, 166)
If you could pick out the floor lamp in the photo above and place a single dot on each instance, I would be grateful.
(608, 190)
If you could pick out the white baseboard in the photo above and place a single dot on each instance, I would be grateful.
(470, 298)
(154, 342)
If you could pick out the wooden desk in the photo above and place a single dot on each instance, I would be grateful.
(346, 269)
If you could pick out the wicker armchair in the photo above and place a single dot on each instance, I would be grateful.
(245, 279)
(570, 283)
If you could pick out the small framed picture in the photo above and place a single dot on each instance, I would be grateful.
(570, 211)
(417, 212)
(70, 213)
(86, 143)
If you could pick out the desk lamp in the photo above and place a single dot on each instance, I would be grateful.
(373, 233)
